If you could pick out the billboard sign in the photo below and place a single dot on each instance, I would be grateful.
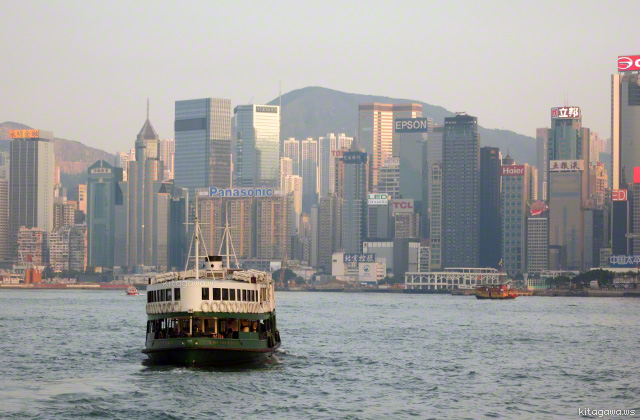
(624, 261)
(629, 63)
(338, 153)
(411, 125)
(358, 258)
(538, 207)
(402, 205)
(367, 272)
(636, 175)
(270, 109)
(378, 199)
(101, 171)
(565, 112)
(241, 192)
(24, 134)
(565, 165)
(619, 195)
(512, 170)
(392, 161)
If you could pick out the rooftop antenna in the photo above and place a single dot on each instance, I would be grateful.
(226, 240)
(147, 108)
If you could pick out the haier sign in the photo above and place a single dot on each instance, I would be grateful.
(411, 125)
(513, 170)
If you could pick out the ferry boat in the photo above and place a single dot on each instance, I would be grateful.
(132, 291)
(495, 291)
(211, 315)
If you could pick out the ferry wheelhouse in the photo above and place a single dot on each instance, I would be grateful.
(211, 315)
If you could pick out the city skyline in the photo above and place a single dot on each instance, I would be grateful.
(496, 91)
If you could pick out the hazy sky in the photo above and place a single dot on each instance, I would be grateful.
(85, 68)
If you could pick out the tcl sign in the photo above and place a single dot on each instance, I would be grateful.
(619, 195)
(512, 170)
(402, 206)
(629, 63)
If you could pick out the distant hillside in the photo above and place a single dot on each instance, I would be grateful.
(315, 111)
(73, 157)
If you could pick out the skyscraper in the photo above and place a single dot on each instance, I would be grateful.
(490, 226)
(341, 145)
(202, 143)
(273, 227)
(31, 183)
(435, 219)
(375, 131)
(354, 207)
(286, 169)
(515, 199)
(324, 164)
(292, 151)
(309, 174)
(102, 193)
(167, 152)
(625, 127)
(542, 161)
(258, 143)
(4, 220)
(461, 192)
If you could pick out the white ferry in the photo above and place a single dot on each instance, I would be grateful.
(211, 315)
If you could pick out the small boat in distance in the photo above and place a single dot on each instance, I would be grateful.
(495, 291)
(132, 291)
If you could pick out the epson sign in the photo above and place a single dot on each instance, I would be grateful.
(411, 125)
(512, 170)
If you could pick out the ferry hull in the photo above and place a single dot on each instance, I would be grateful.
(207, 356)
(496, 297)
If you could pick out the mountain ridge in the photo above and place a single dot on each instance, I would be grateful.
(314, 111)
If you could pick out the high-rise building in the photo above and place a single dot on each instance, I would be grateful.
(258, 143)
(542, 161)
(286, 169)
(410, 135)
(354, 203)
(273, 227)
(375, 132)
(291, 150)
(63, 212)
(389, 178)
(293, 185)
(178, 229)
(566, 216)
(378, 220)
(167, 152)
(514, 200)
(435, 219)
(324, 164)
(309, 174)
(322, 239)
(625, 127)
(31, 183)
(461, 192)
(103, 193)
(432, 154)
(145, 178)
(341, 145)
(597, 145)
(31, 245)
(490, 224)
(406, 225)
(598, 181)
(68, 248)
(202, 143)
(122, 161)
(4, 220)
(538, 243)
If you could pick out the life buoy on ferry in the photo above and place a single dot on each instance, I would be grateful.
(176, 307)
(214, 307)
(223, 307)
(205, 306)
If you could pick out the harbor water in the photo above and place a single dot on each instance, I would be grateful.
(76, 354)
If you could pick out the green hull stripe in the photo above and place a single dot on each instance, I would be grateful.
(235, 315)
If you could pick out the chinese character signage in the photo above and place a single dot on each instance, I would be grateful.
(359, 258)
(624, 261)
(565, 165)
(24, 134)
(572, 112)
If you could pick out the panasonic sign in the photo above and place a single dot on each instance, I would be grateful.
(411, 125)
(241, 192)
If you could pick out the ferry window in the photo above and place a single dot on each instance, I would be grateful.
(225, 294)
(169, 295)
(205, 293)
(232, 295)
(253, 296)
(162, 299)
(148, 297)
(176, 293)
(244, 295)
(216, 293)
